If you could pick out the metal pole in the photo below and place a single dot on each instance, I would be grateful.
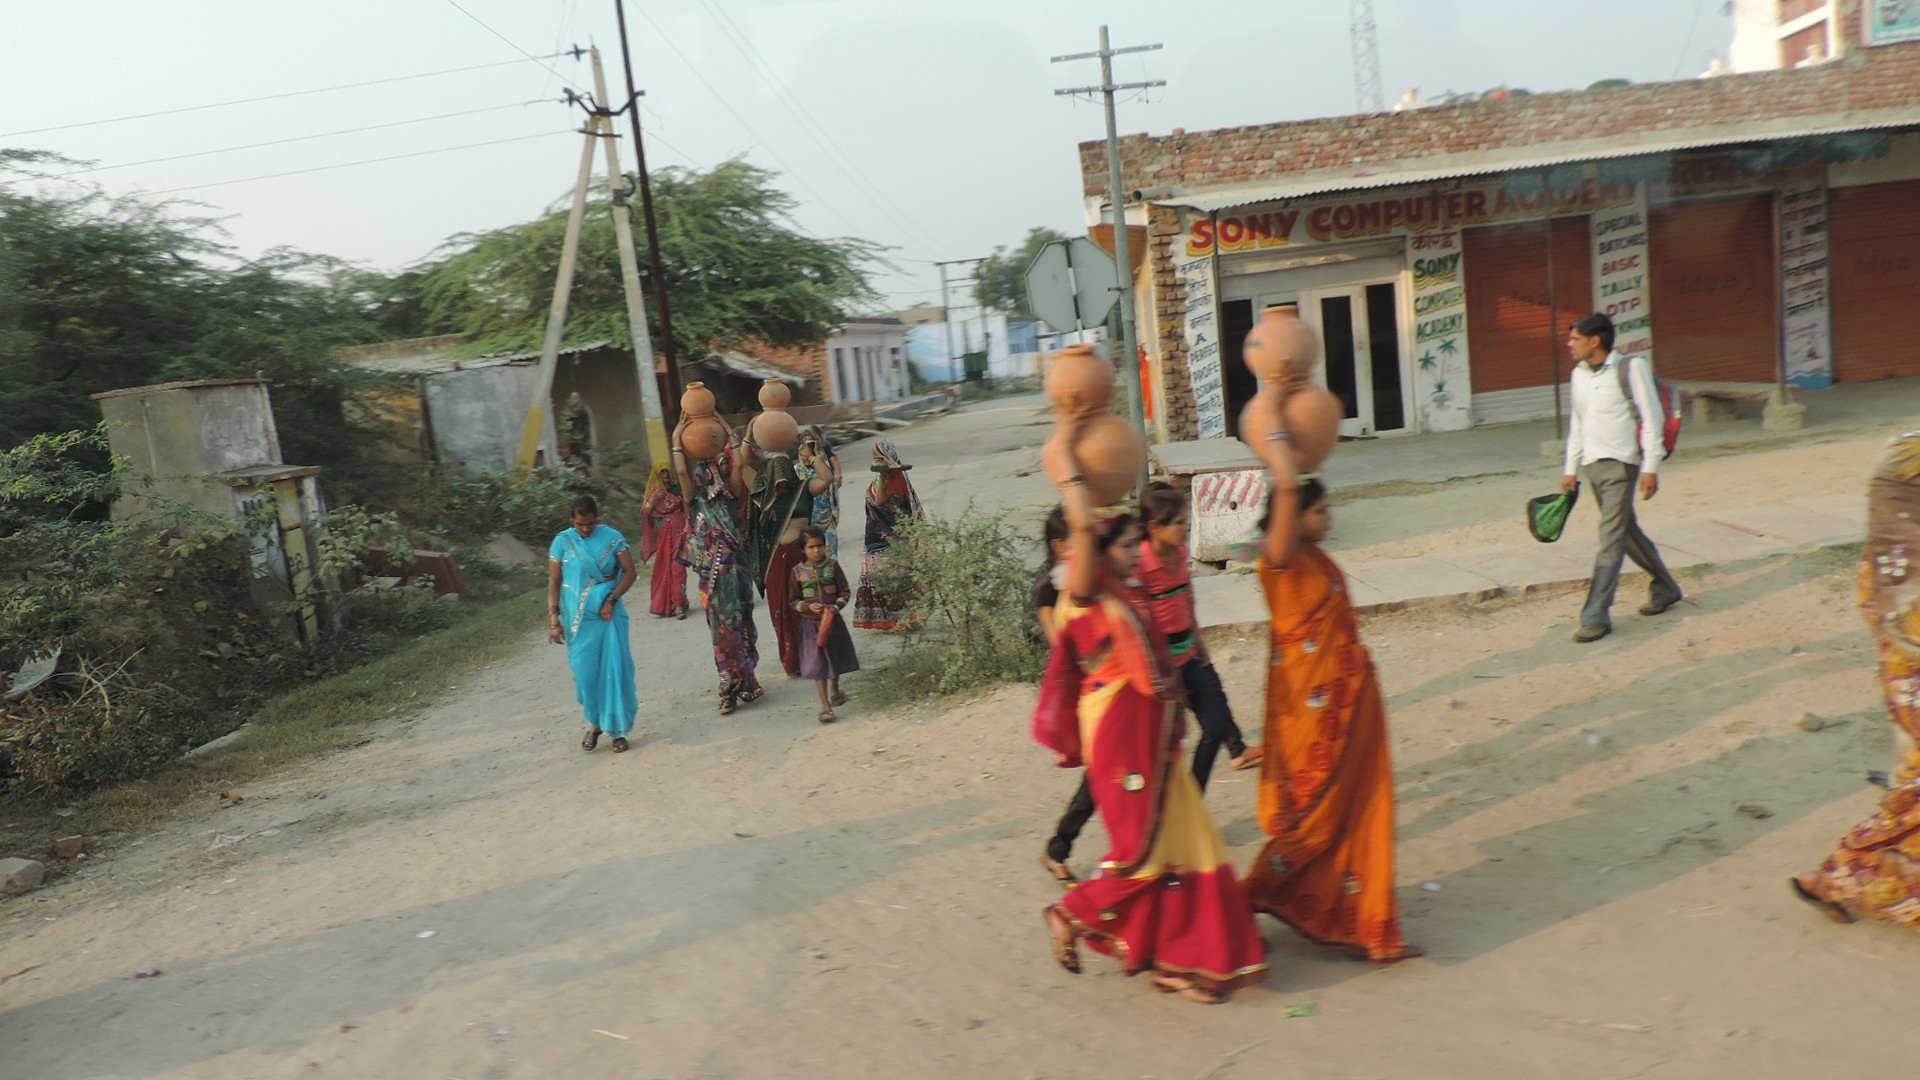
(1136, 412)
(1779, 311)
(630, 281)
(946, 315)
(1553, 311)
(533, 434)
(655, 265)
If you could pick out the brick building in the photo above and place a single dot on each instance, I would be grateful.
(1746, 228)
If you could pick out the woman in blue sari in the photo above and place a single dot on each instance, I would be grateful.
(590, 567)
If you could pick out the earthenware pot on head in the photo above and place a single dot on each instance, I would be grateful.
(1079, 381)
(774, 394)
(696, 400)
(1310, 416)
(703, 437)
(775, 431)
(1280, 344)
(1110, 453)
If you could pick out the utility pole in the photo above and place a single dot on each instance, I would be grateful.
(630, 277)
(947, 313)
(655, 265)
(1366, 56)
(1129, 349)
(538, 423)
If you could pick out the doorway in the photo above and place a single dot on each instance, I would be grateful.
(1359, 328)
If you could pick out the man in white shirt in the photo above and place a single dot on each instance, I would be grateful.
(1617, 436)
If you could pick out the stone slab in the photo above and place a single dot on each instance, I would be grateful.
(1520, 570)
(1229, 600)
(1713, 543)
(1424, 578)
(20, 875)
(1851, 506)
(1795, 524)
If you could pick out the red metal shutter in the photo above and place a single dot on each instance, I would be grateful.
(1714, 289)
(1510, 340)
(1876, 280)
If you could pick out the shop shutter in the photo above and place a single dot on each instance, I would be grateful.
(1511, 340)
(1713, 286)
(1876, 279)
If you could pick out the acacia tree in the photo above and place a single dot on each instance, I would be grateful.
(1003, 275)
(737, 270)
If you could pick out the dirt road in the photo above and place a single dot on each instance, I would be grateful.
(1606, 829)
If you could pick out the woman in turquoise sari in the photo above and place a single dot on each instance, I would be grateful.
(590, 567)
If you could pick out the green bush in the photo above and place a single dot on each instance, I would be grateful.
(968, 581)
(462, 509)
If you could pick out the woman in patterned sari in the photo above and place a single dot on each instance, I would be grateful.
(1165, 898)
(663, 536)
(891, 500)
(589, 569)
(716, 553)
(1326, 782)
(1875, 871)
(779, 507)
(820, 468)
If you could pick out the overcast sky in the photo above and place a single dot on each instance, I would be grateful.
(929, 127)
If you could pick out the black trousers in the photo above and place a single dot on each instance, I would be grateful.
(1209, 702)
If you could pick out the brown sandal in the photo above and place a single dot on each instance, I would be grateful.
(592, 740)
(620, 745)
(1065, 953)
(1187, 988)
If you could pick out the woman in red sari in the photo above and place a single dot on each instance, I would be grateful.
(1165, 898)
(1326, 782)
(663, 538)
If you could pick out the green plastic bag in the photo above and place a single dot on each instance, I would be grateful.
(1547, 515)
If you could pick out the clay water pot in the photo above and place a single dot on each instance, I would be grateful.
(1280, 344)
(1078, 381)
(696, 400)
(1111, 453)
(775, 430)
(704, 437)
(774, 394)
(1311, 420)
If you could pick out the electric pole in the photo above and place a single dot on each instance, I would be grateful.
(1129, 349)
(655, 265)
(946, 311)
(538, 423)
(1366, 56)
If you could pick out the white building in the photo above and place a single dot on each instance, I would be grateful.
(866, 361)
(1770, 34)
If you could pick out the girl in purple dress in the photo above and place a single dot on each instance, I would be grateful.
(817, 591)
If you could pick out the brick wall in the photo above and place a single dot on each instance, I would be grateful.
(807, 360)
(1170, 342)
(1886, 76)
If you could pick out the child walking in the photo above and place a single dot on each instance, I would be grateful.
(1046, 597)
(818, 591)
(1169, 588)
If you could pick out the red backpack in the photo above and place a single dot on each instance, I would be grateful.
(1664, 393)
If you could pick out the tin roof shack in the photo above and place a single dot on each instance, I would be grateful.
(1747, 231)
(472, 412)
(212, 445)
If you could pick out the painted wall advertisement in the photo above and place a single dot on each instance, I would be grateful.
(1201, 324)
(1884, 22)
(1806, 323)
(1440, 379)
(1620, 275)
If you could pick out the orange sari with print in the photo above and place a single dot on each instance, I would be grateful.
(1326, 782)
(1875, 871)
(1165, 898)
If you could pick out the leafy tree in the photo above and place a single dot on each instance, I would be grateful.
(1003, 275)
(737, 270)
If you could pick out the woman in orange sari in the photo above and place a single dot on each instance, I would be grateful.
(1875, 871)
(1326, 783)
(1165, 898)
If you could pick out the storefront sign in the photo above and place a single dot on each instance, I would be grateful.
(1200, 322)
(1884, 22)
(1440, 388)
(1620, 275)
(1806, 318)
(1337, 220)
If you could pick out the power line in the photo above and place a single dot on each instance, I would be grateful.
(366, 161)
(508, 40)
(264, 97)
(296, 138)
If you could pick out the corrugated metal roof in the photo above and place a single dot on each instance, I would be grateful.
(752, 368)
(1538, 156)
(438, 361)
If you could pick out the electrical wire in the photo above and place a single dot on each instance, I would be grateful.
(366, 161)
(508, 40)
(264, 97)
(809, 124)
(297, 138)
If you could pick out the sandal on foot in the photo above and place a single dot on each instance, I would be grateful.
(838, 699)
(1060, 871)
(1188, 989)
(1065, 953)
(1827, 907)
(592, 740)
(1249, 757)
(620, 745)
(1407, 952)
(826, 716)
(727, 705)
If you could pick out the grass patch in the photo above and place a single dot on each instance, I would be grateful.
(317, 718)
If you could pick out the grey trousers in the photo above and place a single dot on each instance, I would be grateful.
(1613, 485)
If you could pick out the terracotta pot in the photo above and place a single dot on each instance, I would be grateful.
(1280, 344)
(1078, 381)
(1312, 423)
(696, 400)
(1111, 453)
(775, 430)
(704, 437)
(774, 394)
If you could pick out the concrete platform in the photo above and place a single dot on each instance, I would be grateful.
(1423, 579)
(1521, 570)
(1851, 506)
(1795, 524)
(1713, 543)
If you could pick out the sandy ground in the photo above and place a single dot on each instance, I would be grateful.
(1594, 847)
